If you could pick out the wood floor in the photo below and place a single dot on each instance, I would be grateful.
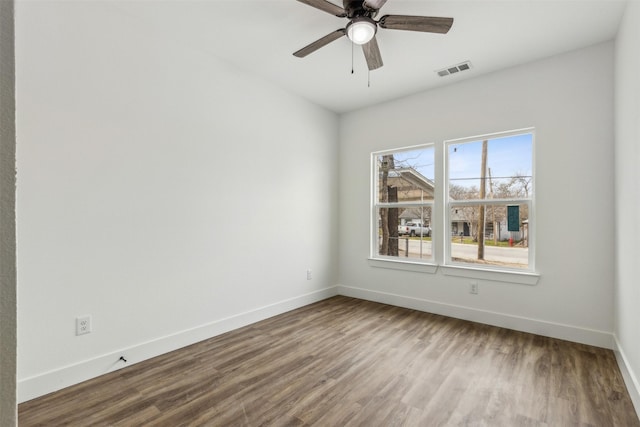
(344, 362)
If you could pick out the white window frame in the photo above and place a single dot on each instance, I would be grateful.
(377, 260)
(441, 229)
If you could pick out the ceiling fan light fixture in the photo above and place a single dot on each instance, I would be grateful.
(361, 30)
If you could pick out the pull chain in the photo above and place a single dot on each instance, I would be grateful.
(352, 66)
(352, 57)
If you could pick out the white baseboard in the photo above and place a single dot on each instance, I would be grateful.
(630, 378)
(39, 385)
(523, 324)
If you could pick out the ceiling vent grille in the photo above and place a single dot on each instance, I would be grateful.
(463, 66)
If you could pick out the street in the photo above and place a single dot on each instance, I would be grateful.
(510, 256)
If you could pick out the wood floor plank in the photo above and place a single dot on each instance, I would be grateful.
(348, 362)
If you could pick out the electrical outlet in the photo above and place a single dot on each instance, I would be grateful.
(309, 275)
(473, 288)
(83, 325)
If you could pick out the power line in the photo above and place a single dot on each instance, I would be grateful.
(495, 177)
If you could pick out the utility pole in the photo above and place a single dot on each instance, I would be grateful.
(493, 210)
(483, 191)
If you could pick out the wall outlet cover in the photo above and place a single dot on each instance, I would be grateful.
(83, 325)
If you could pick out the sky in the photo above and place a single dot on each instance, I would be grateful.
(505, 157)
(421, 160)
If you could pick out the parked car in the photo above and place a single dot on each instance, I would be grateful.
(414, 229)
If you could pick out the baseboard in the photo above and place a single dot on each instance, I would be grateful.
(523, 324)
(630, 378)
(36, 386)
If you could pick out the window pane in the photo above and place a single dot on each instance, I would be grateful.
(505, 168)
(505, 235)
(406, 176)
(415, 221)
(409, 241)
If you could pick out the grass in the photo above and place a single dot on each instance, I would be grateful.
(469, 241)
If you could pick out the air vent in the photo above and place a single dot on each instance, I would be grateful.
(463, 66)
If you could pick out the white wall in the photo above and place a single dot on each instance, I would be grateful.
(155, 185)
(7, 218)
(161, 191)
(569, 100)
(627, 158)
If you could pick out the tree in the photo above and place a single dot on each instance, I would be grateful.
(520, 184)
(388, 216)
(469, 214)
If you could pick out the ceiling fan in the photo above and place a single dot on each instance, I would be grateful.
(362, 27)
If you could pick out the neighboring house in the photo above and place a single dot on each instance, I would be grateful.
(464, 223)
(412, 186)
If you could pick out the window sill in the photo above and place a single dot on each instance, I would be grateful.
(519, 277)
(506, 276)
(396, 264)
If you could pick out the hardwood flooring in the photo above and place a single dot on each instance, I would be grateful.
(348, 362)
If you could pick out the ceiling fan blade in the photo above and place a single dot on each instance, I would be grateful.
(374, 4)
(427, 24)
(326, 6)
(372, 54)
(323, 41)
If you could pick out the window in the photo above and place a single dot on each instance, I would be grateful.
(489, 205)
(404, 190)
(479, 217)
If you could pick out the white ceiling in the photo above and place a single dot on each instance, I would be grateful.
(259, 36)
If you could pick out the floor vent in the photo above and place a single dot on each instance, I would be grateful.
(463, 66)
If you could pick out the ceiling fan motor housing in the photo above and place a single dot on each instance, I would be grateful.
(356, 8)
